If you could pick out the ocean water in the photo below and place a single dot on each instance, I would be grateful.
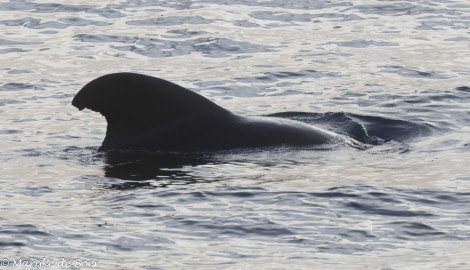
(394, 75)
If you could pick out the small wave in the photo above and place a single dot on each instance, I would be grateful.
(153, 47)
(373, 130)
(463, 89)
(413, 72)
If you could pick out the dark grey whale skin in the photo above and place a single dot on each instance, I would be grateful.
(151, 114)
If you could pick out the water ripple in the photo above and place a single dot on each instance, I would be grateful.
(153, 47)
(171, 20)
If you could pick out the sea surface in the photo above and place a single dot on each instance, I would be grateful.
(392, 75)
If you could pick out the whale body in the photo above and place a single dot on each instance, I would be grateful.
(152, 114)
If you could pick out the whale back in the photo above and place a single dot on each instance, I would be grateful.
(132, 103)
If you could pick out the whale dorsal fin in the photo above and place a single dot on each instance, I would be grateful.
(133, 102)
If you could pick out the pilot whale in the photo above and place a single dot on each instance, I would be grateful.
(152, 114)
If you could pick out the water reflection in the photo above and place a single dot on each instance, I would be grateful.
(164, 167)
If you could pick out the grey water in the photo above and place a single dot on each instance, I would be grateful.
(393, 75)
